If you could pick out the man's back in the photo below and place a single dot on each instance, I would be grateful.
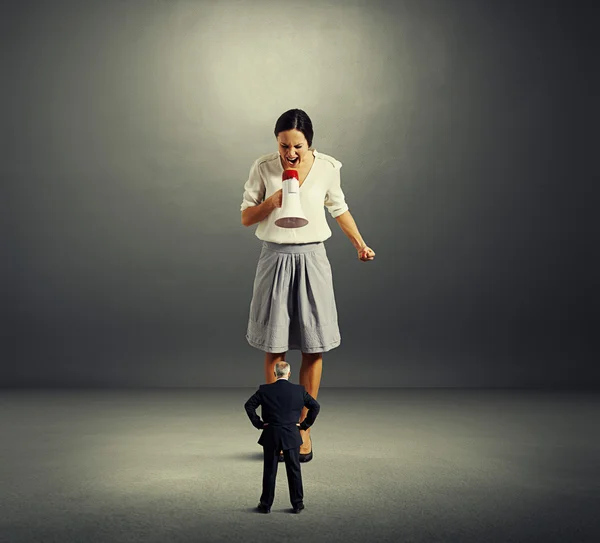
(281, 406)
(282, 402)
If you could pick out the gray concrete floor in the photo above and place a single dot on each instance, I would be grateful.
(410, 465)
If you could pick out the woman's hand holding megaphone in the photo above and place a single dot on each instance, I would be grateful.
(277, 198)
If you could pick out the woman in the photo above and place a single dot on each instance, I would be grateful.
(293, 304)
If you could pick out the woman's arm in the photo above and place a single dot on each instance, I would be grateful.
(348, 226)
(253, 214)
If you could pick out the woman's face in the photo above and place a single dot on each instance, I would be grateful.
(293, 148)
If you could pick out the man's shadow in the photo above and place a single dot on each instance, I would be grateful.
(250, 457)
(283, 510)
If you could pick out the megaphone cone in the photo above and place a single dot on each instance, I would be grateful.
(291, 215)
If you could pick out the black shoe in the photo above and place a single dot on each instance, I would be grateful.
(263, 508)
(298, 508)
(307, 457)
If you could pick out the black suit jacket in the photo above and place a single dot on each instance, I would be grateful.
(281, 405)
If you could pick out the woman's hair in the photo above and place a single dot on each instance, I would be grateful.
(298, 120)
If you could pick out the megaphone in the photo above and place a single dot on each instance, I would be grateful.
(292, 215)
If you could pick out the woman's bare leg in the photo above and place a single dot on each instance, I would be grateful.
(310, 377)
(270, 360)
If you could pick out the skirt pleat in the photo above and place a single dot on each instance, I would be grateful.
(293, 302)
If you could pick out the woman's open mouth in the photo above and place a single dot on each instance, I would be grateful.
(292, 162)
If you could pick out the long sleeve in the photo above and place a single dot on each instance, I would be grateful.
(254, 188)
(250, 406)
(313, 410)
(335, 201)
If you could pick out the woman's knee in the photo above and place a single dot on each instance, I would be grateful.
(276, 356)
(311, 357)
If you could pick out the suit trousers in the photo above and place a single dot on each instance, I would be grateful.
(294, 475)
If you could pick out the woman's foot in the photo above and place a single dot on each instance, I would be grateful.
(307, 456)
(306, 446)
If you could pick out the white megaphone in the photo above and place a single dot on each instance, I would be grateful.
(292, 215)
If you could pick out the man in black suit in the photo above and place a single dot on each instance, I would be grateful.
(282, 403)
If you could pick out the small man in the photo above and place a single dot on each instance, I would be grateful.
(282, 404)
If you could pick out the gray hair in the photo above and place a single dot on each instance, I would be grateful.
(281, 369)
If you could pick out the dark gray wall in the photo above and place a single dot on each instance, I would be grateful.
(465, 129)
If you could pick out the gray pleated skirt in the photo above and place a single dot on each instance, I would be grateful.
(293, 303)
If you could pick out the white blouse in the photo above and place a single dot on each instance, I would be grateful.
(320, 189)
